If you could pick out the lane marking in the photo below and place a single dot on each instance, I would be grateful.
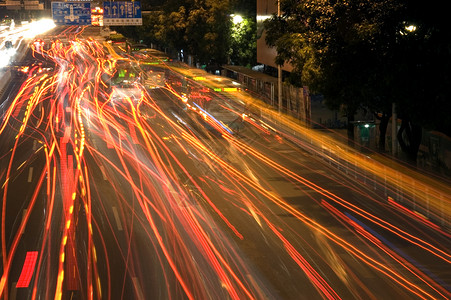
(24, 214)
(133, 134)
(66, 134)
(102, 169)
(13, 291)
(138, 290)
(116, 217)
(30, 174)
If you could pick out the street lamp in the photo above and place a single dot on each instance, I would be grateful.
(237, 19)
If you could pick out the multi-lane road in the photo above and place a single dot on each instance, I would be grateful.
(134, 177)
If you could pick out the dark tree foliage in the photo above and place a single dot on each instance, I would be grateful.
(243, 48)
(201, 28)
(362, 53)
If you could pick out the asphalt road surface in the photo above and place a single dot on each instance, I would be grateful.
(133, 177)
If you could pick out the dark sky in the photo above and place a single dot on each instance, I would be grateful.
(246, 6)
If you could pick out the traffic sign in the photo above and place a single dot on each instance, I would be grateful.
(122, 13)
(71, 13)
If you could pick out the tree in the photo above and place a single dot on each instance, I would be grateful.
(243, 42)
(200, 27)
(424, 74)
(331, 45)
(360, 54)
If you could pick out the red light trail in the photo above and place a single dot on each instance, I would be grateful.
(139, 194)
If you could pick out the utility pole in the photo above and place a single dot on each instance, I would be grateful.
(393, 129)
(279, 71)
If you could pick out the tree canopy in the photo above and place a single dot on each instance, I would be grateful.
(198, 27)
(201, 28)
(243, 46)
(370, 53)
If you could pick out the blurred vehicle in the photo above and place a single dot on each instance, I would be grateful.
(38, 45)
(8, 44)
(30, 68)
(123, 91)
(137, 47)
(154, 79)
(6, 20)
(117, 39)
(57, 44)
(155, 55)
